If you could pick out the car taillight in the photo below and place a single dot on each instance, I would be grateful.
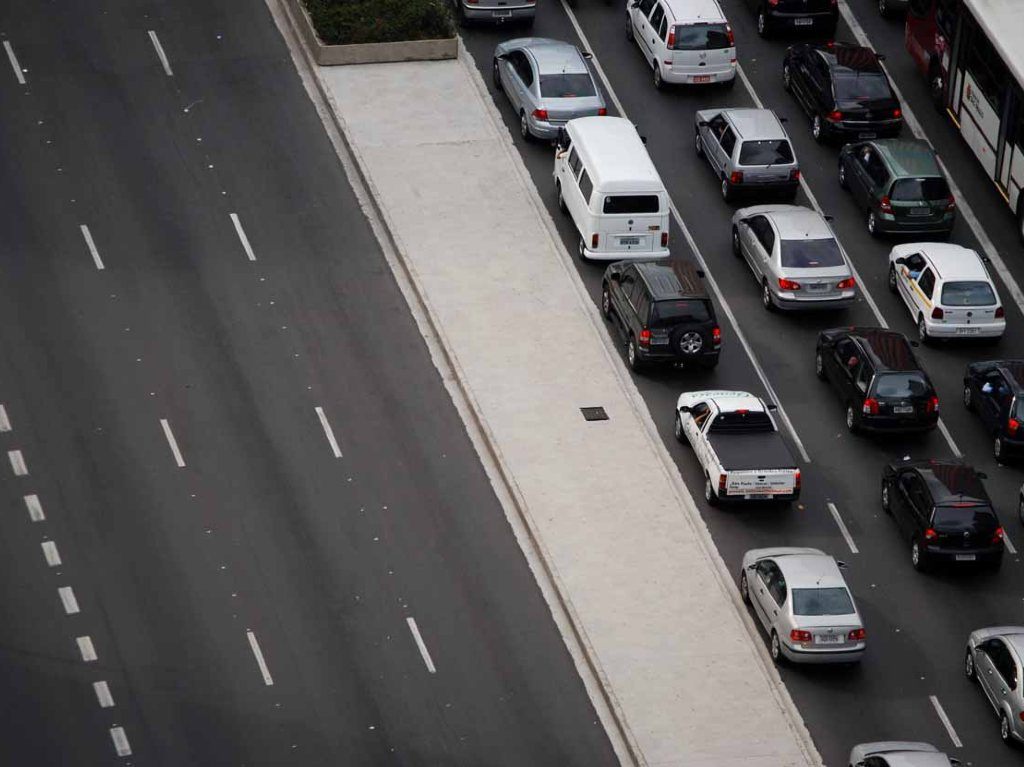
(721, 484)
(1000, 313)
(794, 175)
(1011, 427)
(835, 116)
(897, 114)
(671, 43)
(870, 406)
(885, 204)
(785, 284)
(937, 313)
(799, 635)
(732, 38)
(736, 177)
(716, 335)
(998, 535)
(594, 239)
(602, 112)
(933, 405)
(773, 3)
(540, 114)
(664, 239)
(930, 535)
(950, 203)
(857, 635)
(645, 337)
(846, 284)
(796, 480)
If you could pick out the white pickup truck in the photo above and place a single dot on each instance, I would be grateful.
(738, 445)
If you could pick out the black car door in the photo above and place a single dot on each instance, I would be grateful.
(860, 180)
(903, 510)
(992, 391)
(800, 76)
(621, 292)
(819, 87)
(844, 353)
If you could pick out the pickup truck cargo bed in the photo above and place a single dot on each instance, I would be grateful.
(750, 451)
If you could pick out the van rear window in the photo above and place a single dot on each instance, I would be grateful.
(631, 203)
(701, 37)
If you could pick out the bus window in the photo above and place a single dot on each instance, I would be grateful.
(987, 69)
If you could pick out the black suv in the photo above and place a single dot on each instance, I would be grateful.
(995, 390)
(843, 89)
(943, 509)
(818, 16)
(663, 311)
(879, 379)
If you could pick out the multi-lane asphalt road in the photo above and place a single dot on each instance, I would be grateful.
(244, 524)
(917, 624)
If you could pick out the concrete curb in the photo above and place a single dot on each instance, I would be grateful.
(365, 53)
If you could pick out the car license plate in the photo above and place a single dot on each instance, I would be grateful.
(828, 639)
(817, 287)
(869, 134)
(757, 496)
(965, 557)
(802, 22)
(968, 331)
(920, 212)
(702, 78)
(901, 409)
(629, 241)
(502, 14)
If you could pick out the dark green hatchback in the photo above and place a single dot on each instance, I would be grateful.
(899, 186)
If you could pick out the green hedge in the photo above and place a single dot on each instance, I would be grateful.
(379, 21)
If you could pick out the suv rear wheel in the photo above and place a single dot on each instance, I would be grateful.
(762, 23)
(698, 145)
(727, 190)
(633, 356)
(606, 302)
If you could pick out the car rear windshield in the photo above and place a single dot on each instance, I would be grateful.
(674, 311)
(631, 203)
(862, 86)
(769, 152)
(957, 518)
(919, 189)
(742, 422)
(810, 254)
(566, 86)
(901, 385)
(834, 601)
(972, 293)
(701, 37)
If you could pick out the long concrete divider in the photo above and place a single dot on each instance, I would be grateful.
(671, 658)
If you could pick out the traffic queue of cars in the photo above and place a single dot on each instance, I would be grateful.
(607, 184)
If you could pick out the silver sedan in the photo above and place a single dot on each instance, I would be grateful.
(802, 600)
(547, 82)
(795, 257)
(993, 659)
(899, 753)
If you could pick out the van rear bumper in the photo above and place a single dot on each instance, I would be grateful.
(696, 78)
(627, 255)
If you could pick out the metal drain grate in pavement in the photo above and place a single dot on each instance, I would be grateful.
(594, 413)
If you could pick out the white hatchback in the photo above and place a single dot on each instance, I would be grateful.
(947, 290)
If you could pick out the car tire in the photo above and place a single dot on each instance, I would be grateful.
(1020, 509)
(1004, 729)
(763, 28)
(561, 200)
(744, 588)
(918, 557)
(736, 248)
(893, 286)
(766, 297)
(524, 126)
(728, 194)
(709, 492)
(606, 302)
(886, 501)
(787, 78)
(922, 330)
(633, 356)
(677, 428)
(871, 224)
(969, 670)
(843, 184)
(851, 419)
(496, 77)
(818, 129)
(775, 649)
(698, 145)
(581, 249)
(659, 83)
(819, 365)
(999, 449)
(630, 34)
(968, 399)
(883, 9)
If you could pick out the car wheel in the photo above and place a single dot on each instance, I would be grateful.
(630, 35)
(561, 200)
(633, 356)
(776, 649)
(998, 449)
(883, 8)
(736, 251)
(818, 129)
(842, 175)
(496, 76)
(658, 82)
(969, 670)
(968, 398)
(606, 302)
(872, 223)
(1004, 729)
(744, 588)
(893, 288)
(1020, 509)
(678, 429)
(918, 558)
(762, 23)
(922, 330)
(766, 297)
(524, 127)
(819, 365)
(886, 502)
(581, 249)
(698, 145)
(709, 492)
(727, 192)
(851, 419)
(787, 78)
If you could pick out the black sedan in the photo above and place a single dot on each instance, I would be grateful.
(843, 89)
(995, 391)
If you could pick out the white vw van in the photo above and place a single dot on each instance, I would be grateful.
(606, 181)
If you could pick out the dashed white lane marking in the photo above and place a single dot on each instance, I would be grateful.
(14, 62)
(35, 508)
(421, 644)
(740, 335)
(67, 598)
(842, 527)
(945, 721)
(51, 554)
(121, 745)
(1009, 544)
(329, 432)
(103, 696)
(260, 661)
(17, 463)
(5, 422)
(160, 53)
(87, 235)
(178, 459)
(85, 647)
(241, 236)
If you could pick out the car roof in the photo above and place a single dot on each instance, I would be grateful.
(795, 222)
(810, 571)
(677, 280)
(908, 157)
(847, 57)
(755, 123)
(1015, 369)
(954, 262)
(707, 11)
(733, 400)
(614, 155)
(553, 55)
(889, 348)
(950, 480)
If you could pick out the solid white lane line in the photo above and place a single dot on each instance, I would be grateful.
(17, 463)
(35, 509)
(329, 432)
(842, 527)
(92, 246)
(103, 696)
(772, 394)
(267, 679)
(51, 554)
(5, 422)
(172, 442)
(879, 317)
(966, 211)
(1009, 544)
(945, 721)
(14, 62)
(242, 237)
(67, 598)
(85, 647)
(160, 53)
(421, 645)
(121, 745)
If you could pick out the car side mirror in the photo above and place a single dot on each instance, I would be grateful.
(915, 344)
(881, 56)
(986, 260)
(828, 217)
(981, 475)
(955, 762)
(702, 123)
(684, 409)
(841, 564)
(587, 55)
(783, 119)
(643, 140)
(901, 261)
(772, 407)
(701, 273)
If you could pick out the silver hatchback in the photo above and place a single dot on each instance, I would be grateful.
(795, 257)
(993, 659)
(802, 600)
(748, 150)
(548, 83)
(899, 753)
